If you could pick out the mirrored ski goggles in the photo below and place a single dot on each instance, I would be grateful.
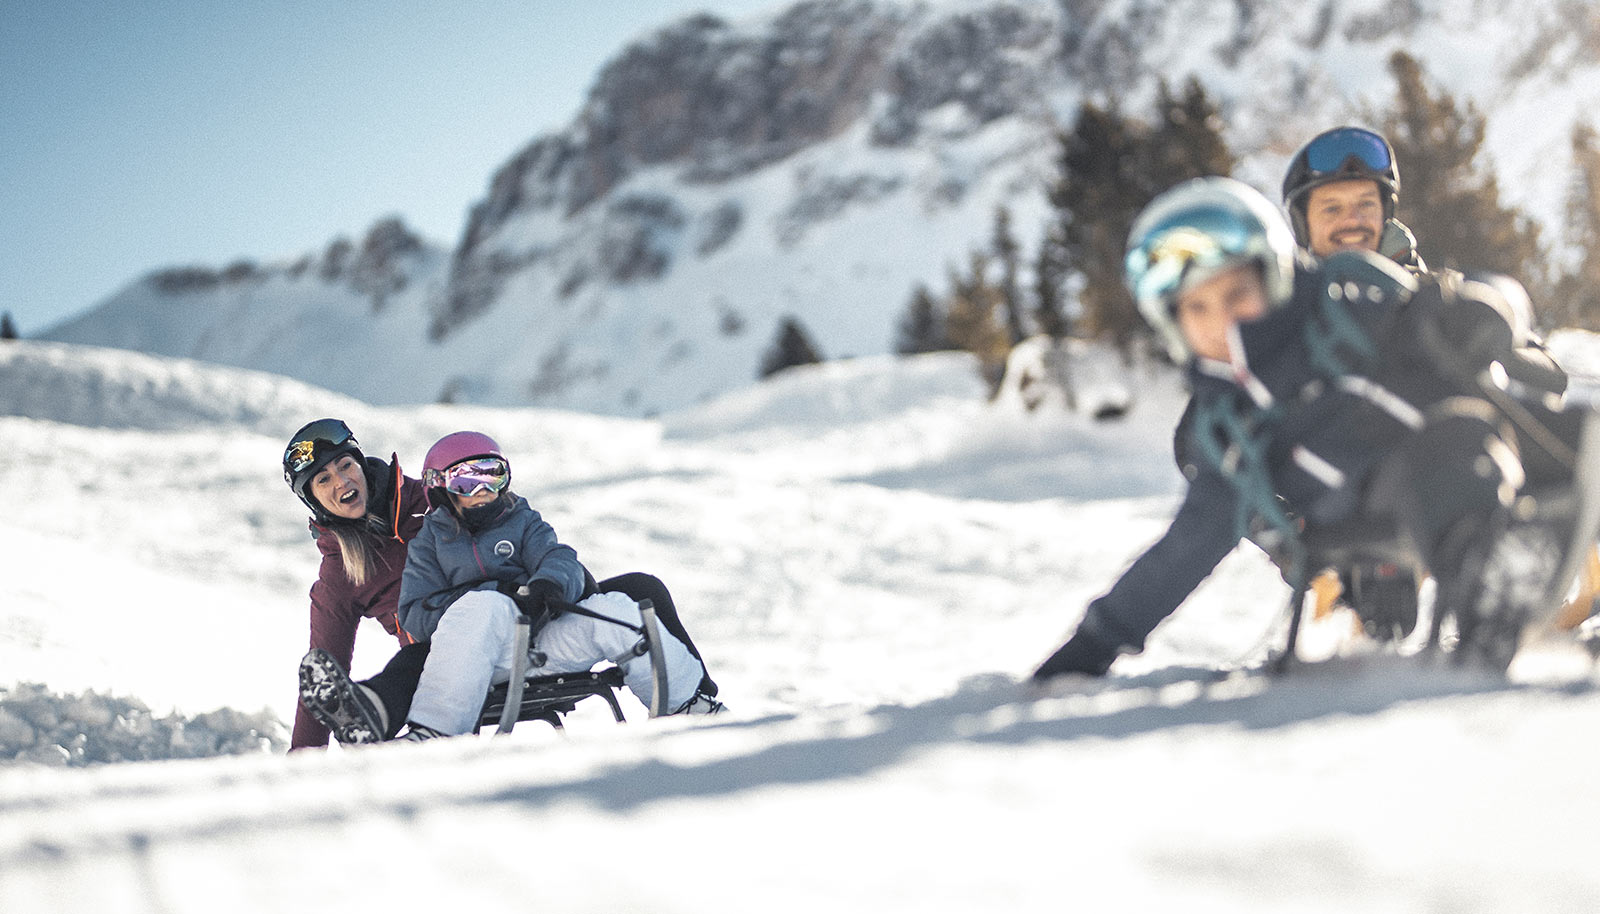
(1174, 256)
(1331, 151)
(470, 476)
(324, 434)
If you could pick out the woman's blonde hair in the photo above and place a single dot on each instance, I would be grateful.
(359, 551)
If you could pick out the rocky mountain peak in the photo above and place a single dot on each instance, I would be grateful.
(714, 102)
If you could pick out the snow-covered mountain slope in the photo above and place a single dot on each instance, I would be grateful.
(869, 555)
(345, 319)
(819, 163)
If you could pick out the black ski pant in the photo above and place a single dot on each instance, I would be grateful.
(640, 587)
(397, 682)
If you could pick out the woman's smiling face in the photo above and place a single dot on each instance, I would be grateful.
(341, 488)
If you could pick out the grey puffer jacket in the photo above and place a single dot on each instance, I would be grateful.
(446, 560)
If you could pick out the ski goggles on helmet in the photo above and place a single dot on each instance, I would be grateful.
(1175, 256)
(1332, 151)
(317, 438)
(470, 476)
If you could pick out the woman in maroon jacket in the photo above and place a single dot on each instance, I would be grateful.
(363, 513)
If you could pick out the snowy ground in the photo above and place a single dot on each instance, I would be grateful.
(871, 557)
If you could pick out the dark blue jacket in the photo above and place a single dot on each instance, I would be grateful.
(1327, 396)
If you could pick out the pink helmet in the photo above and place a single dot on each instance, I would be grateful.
(453, 449)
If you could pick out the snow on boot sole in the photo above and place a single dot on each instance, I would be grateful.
(327, 691)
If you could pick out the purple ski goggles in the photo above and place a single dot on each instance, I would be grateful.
(470, 476)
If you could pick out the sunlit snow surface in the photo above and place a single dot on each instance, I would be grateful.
(872, 558)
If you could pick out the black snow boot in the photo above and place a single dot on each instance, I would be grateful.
(1505, 586)
(349, 710)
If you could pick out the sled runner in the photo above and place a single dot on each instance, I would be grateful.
(550, 697)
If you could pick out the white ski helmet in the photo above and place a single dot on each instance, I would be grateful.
(1195, 231)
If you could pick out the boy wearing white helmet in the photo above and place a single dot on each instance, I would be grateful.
(1333, 397)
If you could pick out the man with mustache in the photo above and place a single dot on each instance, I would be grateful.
(1341, 191)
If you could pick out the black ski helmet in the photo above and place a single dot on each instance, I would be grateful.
(310, 449)
(1340, 154)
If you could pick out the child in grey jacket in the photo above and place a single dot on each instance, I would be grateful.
(479, 543)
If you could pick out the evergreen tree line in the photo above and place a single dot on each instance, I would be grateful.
(1111, 164)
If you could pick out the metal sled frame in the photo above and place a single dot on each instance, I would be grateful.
(1341, 545)
(549, 698)
(1336, 546)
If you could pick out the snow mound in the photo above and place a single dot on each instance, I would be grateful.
(926, 422)
(42, 727)
(1073, 375)
(113, 388)
(810, 399)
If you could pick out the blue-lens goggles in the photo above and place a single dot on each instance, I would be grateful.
(1330, 152)
(1197, 244)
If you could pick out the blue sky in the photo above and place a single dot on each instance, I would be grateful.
(137, 135)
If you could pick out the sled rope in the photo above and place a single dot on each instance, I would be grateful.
(1232, 442)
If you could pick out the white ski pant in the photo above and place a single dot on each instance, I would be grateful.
(473, 643)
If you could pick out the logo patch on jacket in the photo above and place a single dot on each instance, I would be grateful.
(504, 549)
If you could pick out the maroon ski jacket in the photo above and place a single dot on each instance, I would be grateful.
(394, 513)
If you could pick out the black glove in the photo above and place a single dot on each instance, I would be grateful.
(539, 596)
(1083, 653)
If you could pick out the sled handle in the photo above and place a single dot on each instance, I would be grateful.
(658, 659)
(519, 673)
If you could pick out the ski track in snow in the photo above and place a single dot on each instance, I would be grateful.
(872, 558)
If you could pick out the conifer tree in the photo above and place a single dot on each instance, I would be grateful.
(1097, 194)
(972, 320)
(792, 347)
(922, 328)
(1007, 254)
(8, 330)
(1187, 141)
(1447, 199)
(1049, 280)
(1110, 167)
(1575, 301)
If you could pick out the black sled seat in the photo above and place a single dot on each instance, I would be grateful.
(1365, 539)
(548, 698)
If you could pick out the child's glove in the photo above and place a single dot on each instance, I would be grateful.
(539, 595)
(535, 597)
